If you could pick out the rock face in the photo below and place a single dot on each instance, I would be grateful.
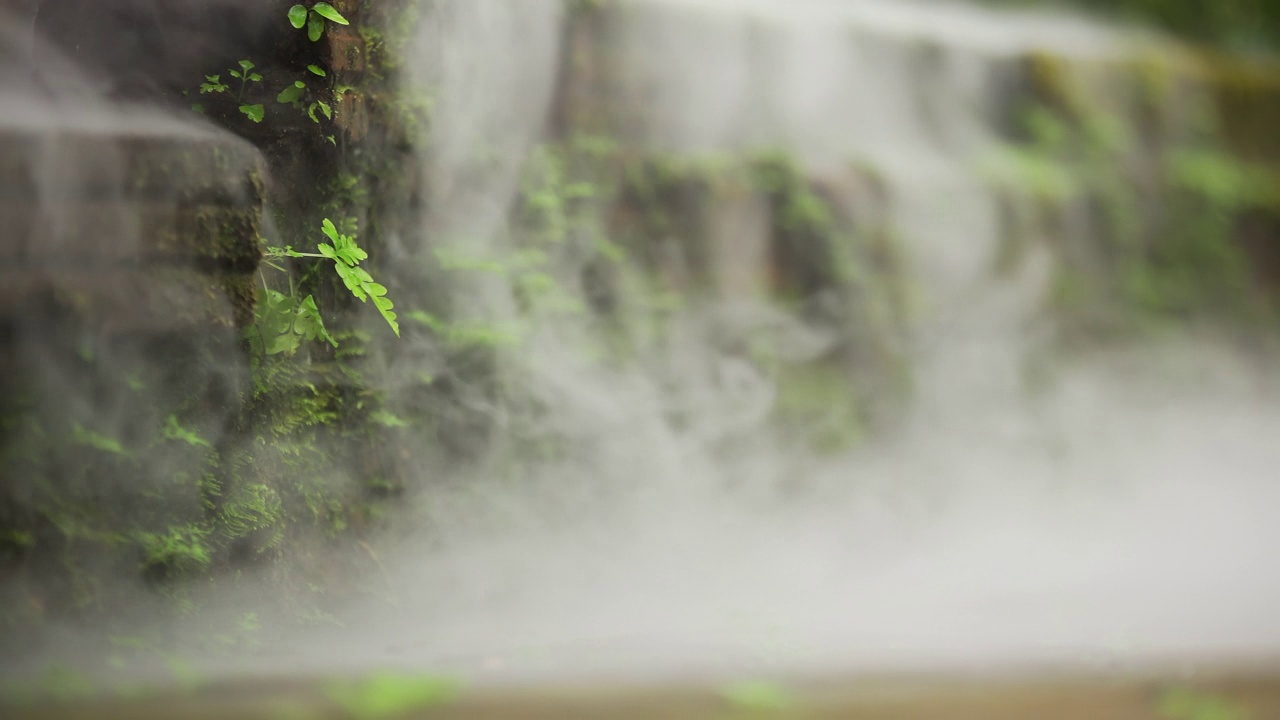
(143, 441)
(140, 232)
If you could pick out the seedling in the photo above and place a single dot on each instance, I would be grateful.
(245, 75)
(313, 19)
(295, 95)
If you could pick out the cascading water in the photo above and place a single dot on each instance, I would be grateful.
(989, 524)
(634, 501)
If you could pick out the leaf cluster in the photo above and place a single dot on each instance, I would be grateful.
(245, 75)
(284, 322)
(346, 256)
(294, 95)
(313, 19)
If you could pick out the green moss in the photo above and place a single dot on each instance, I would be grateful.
(181, 550)
(1244, 24)
(1164, 216)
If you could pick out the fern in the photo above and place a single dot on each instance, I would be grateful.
(284, 323)
(346, 256)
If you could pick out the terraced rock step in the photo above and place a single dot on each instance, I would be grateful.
(40, 164)
(136, 299)
(100, 233)
(130, 229)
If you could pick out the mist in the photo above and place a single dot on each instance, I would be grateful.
(1032, 504)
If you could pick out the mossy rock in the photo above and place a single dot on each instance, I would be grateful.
(124, 300)
(100, 165)
(1154, 181)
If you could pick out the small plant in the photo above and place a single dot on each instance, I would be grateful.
(180, 550)
(295, 95)
(245, 75)
(284, 321)
(313, 18)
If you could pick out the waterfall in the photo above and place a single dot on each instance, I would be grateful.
(678, 525)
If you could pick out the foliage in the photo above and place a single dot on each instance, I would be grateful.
(346, 256)
(1162, 241)
(285, 321)
(387, 695)
(179, 550)
(255, 508)
(1234, 23)
(297, 93)
(314, 18)
(1184, 704)
(97, 440)
(173, 430)
(245, 75)
(759, 696)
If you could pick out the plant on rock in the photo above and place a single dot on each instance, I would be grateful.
(245, 75)
(298, 92)
(313, 19)
(284, 321)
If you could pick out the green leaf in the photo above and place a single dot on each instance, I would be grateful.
(97, 440)
(350, 280)
(390, 317)
(309, 324)
(291, 94)
(324, 108)
(287, 343)
(254, 112)
(317, 70)
(246, 65)
(315, 27)
(330, 231)
(325, 9)
(255, 78)
(331, 140)
(350, 253)
(311, 112)
(235, 73)
(327, 250)
(213, 78)
(298, 16)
